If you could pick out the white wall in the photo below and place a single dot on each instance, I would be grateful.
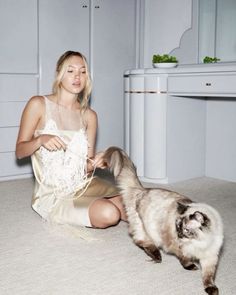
(164, 24)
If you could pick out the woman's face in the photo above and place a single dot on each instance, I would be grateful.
(75, 76)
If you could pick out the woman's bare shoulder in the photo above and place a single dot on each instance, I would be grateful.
(35, 106)
(90, 118)
(36, 101)
(91, 114)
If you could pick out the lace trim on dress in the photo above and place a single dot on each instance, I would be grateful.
(65, 171)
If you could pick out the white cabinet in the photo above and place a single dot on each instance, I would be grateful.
(165, 136)
(18, 77)
(180, 123)
(34, 33)
(63, 25)
(208, 84)
(18, 36)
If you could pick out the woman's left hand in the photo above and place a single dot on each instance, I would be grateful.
(98, 161)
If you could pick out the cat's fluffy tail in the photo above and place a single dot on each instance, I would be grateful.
(122, 167)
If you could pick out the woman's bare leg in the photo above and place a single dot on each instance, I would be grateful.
(106, 212)
(117, 200)
(103, 213)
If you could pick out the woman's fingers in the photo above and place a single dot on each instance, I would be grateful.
(59, 143)
(53, 143)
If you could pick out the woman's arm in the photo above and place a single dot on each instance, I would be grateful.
(26, 143)
(92, 123)
(96, 159)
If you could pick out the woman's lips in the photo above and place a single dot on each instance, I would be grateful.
(76, 84)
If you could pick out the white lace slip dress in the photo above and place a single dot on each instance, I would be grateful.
(63, 191)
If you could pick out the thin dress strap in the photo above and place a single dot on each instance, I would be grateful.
(48, 114)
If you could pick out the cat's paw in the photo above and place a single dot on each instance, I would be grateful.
(187, 263)
(191, 267)
(212, 290)
(154, 253)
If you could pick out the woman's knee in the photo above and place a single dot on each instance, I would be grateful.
(103, 213)
(118, 202)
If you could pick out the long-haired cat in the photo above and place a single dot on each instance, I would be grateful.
(162, 219)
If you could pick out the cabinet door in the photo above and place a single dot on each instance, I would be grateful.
(63, 25)
(112, 52)
(18, 36)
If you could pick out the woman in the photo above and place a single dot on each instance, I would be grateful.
(58, 131)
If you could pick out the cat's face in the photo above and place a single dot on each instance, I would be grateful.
(191, 225)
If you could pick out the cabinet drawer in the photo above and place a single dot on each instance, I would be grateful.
(22, 87)
(10, 113)
(8, 139)
(10, 166)
(202, 85)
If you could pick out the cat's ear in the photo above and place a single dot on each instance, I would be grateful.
(114, 160)
(181, 207)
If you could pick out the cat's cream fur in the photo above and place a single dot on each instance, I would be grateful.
(163, 219)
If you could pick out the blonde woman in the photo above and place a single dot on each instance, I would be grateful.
(58, 131)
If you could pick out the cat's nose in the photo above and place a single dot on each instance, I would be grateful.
(196, 216)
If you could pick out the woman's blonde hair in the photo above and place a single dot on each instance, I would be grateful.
(61, 68)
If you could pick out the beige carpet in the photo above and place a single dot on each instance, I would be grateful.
(35, 260)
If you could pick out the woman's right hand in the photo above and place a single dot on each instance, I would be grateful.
(52, 142)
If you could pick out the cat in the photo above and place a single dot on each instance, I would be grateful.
(160, 219)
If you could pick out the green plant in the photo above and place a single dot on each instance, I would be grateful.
(157, 58)
(208, 60)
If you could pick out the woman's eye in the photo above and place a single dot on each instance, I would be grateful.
(69, 71)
